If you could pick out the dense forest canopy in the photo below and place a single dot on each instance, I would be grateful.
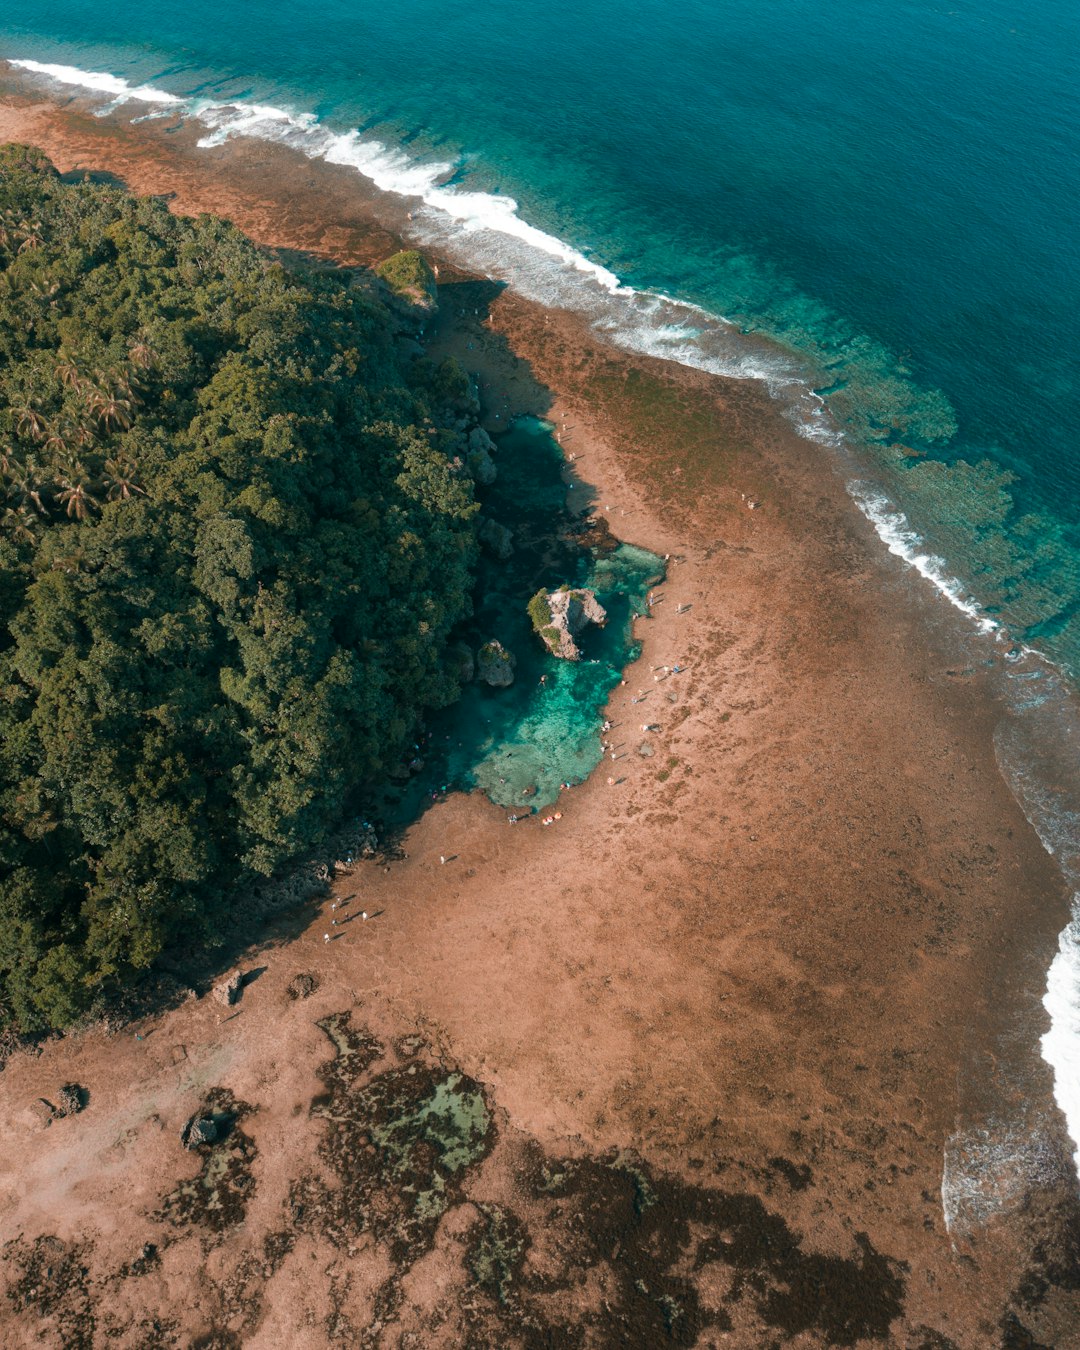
(232, 547)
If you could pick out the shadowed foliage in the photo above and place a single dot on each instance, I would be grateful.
(231, 549)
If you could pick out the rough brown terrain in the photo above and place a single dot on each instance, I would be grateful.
(682, 1070)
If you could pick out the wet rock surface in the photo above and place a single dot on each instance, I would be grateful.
(495, 665)
(536, 1249)
(216, 1199)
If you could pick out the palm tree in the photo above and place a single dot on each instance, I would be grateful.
(29, 422)
(111, 410)
(19, 523)
(83, 434)
(58, 439)
(31, 235)
(142, 354)
(27, 481)
(68, 373)
(75, 495)
(120, 477)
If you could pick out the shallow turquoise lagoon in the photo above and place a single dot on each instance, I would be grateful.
(521, 743)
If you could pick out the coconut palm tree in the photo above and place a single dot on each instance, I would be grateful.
(58, 439)
(31, 235)
(19, 524)
(26, 482)
(120, 478)
(29, 422)
(68, 373)
(142, 354)
(111, 409)
(75, 495)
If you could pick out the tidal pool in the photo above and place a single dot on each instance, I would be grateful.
(521, 743)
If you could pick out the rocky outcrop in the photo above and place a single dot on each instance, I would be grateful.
(464, 662)
(481, 465)
(497, 538)
(72, 1099)
(302, 985)
(411, 282)
(559, 616)
(495, 665)
(199, 1130)
(310, 877)
(228, 991)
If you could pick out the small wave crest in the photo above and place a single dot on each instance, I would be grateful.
(989, 1171)
(485, 231)
(99, 82)
(1038, 748)
(898, 536)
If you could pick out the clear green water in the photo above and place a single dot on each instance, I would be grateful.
(521, 743)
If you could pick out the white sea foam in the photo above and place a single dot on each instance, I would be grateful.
(991, 1170)
(1061, 1044)
(900, 539)
(99, 82)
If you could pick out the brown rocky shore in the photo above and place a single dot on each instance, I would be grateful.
(684, 1070)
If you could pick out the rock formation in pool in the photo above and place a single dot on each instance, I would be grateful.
(498, 538)
(559, 616)
(495, 665)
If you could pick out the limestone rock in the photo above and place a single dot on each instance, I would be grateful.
(44, 1111)
(497, 538)
(480, 442)
(228, 991)
(495, 665)
(302, 985)
(199, 1130)
(72, 1099)
(481, 465)
(559, 616)
(464, 662)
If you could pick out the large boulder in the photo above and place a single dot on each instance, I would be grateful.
(559, 616)
(228, 991)
(495, 665)
(199, 1130)
(463, 662)
(481, 465)
(72, 1099)
(497, 538)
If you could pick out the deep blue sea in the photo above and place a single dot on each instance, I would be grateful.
(870, 206)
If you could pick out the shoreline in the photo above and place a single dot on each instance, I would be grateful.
(824, 869)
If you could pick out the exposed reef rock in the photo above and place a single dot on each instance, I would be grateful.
(497, 538)
(559, 616)
(495, 665)
(302, 985)
(72, 1099)
(199, 1130)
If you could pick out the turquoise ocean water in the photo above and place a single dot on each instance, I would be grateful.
(868, 205)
